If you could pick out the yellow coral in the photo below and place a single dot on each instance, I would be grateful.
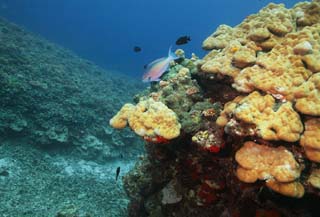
(310, 139)
(222, 61)
(314, 178)
(120, 120)
(275, 165)
(312, 154)
(263, 162)
(244, 57)
(282, 124)
(280, 59)
(308, 96)
(288, 65)
(291, 189)
(219, 39)
(148, 119)
(277, 53)
(307, 13)
(259, 34)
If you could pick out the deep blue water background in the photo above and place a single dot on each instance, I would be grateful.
(105, 31)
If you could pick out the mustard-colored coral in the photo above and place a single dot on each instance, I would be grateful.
(219, 39)
(263, 162)
(275, 165)
(222, 62)
(277, 53)
(310, 139)
(314, 178)
(307, 13)
(120, 120)
(308, 96)
(312, 154)
(288, 65)
(272, 54)
(271, 123)
(148, 118)
(290, 189)
(271, 22)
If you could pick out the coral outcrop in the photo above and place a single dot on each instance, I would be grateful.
(275, 165)
(265, 52)
(150, 119)
(308, 96)
(249, 115)
(261, 113)
(310, 140)
(314, 178)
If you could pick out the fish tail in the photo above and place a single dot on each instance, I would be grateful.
(171, 54)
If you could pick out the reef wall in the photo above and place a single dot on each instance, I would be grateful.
(53, 99)
(248, 121)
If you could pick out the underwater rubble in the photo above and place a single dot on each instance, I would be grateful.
(35, 183)
(245, 137)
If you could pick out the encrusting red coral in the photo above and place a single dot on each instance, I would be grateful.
(156, 139)
(206, 194)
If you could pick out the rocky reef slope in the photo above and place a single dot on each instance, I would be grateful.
(245, 137)
(52, 98)
(58, 156)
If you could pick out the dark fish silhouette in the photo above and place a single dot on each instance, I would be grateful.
(117, 173)
(137, 49)
(183, 40)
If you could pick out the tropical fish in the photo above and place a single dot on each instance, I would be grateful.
(117, 173)
(137, 49)
(183, 40)
(156, 68)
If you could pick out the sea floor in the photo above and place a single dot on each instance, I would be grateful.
(35, 183)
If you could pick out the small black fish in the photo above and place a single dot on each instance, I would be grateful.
(137, 49)
(183, 40)
(117, 173)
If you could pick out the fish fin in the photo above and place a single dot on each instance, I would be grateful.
(145, 80)
(149, 80)
(171, 54)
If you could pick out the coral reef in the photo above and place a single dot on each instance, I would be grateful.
(249, 115)
(54, 99)
(152, 120)
(58, 156)
(308, 96)
(265, 53)
(310, 140)
(258, 111)
(275, 165)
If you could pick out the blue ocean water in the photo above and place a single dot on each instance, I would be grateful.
(105, 31)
